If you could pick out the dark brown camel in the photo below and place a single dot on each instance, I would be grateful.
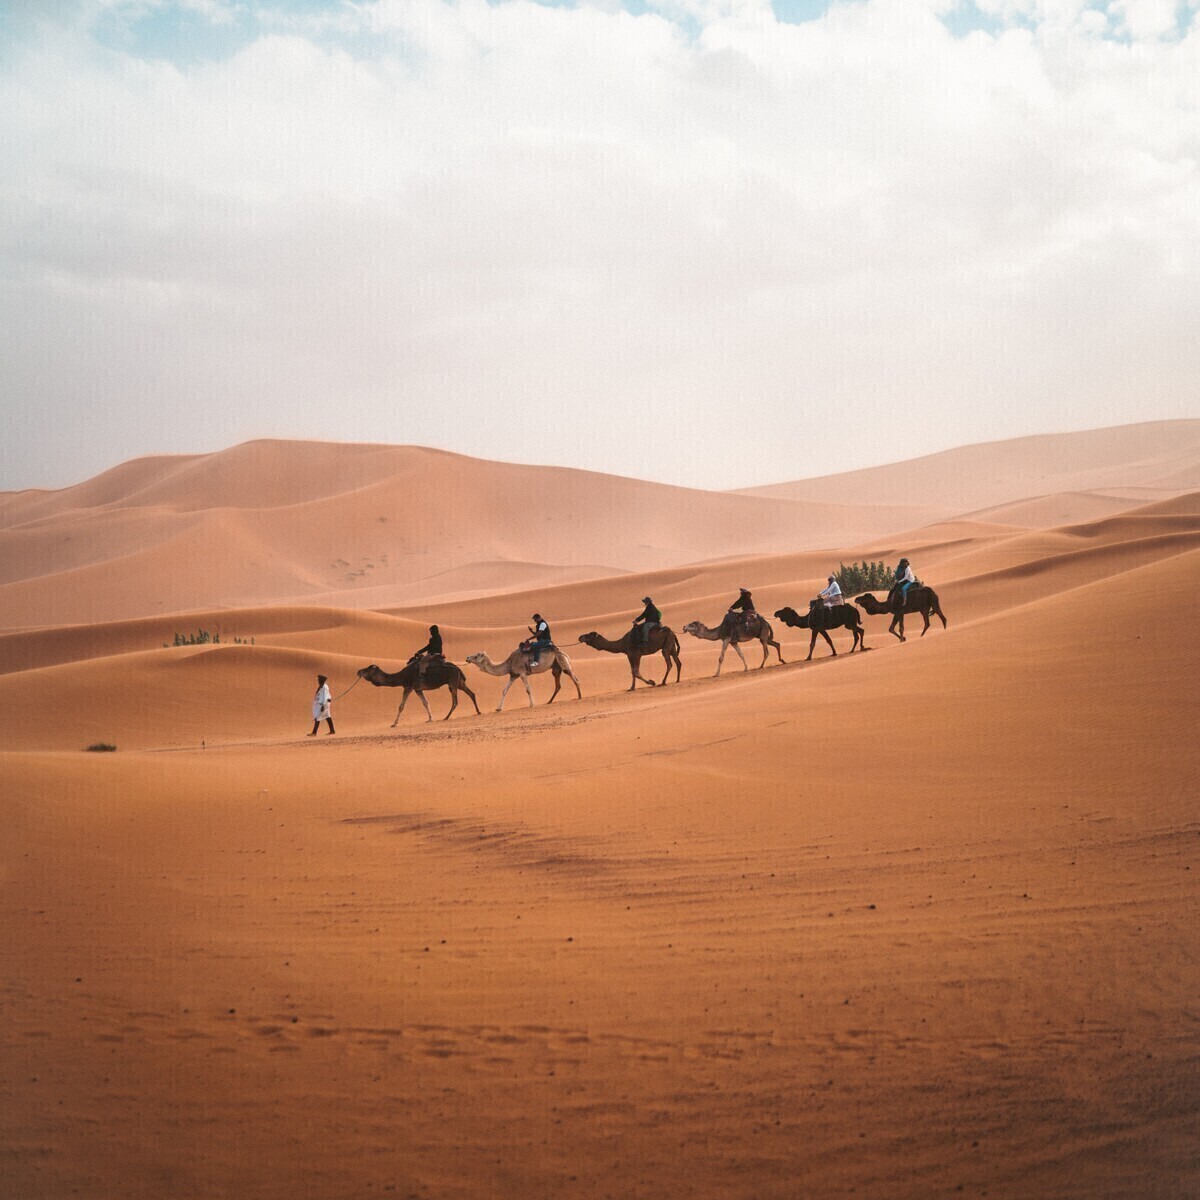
(437, 675)
(662, 640)
(840, 616)
(921, 600)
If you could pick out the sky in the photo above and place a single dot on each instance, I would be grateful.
(716, 243)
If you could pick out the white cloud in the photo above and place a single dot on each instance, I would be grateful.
(525, 231)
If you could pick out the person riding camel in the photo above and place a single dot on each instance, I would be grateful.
(431, 652)
(650, 620)
(832, 595)
(541, 637)
(905, 579)
(745, 605)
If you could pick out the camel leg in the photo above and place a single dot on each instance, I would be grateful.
(511, 680)
(428, 712)
(897, 620)
(529, 690)
(738, 652)
(403, 701)
(721, 660)
(579, 690)
(635, 668)
(830, 641)
(473, 700)
(453, 702)
(925, 614)
(667, 659)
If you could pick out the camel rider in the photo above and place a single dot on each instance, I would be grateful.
(650, 620)
(540, 639)
(429, 653)
(745, 605)
(832, 595)
(903, 581)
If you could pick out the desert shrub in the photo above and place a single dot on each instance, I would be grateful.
(864, 577)
(202, 637)
(99, 747)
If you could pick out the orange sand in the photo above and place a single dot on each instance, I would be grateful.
(914, 923)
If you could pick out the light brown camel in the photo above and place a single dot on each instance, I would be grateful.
(734, 629)
(662, 640)
(518, 666)
(437, 675)
(921, 599)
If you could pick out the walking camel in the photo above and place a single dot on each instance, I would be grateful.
(838, 617)
(437, 675)
(518, 666)
(662, 640)
(923, 600)
(731, 631)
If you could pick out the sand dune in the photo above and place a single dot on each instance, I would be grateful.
(275, 522)
(917, 922)
(1149, 461)
(387, 526)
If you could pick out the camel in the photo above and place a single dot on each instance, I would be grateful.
(838, 617)
(733, 630)
(518, 666)
(438, 675)
(920, 599)
(662, 639)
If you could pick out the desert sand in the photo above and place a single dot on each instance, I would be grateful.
(917, 922)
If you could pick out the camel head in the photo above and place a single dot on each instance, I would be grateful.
(367, 672)
(694, 628)
(788, 616)
(475, 659)
(589, 639)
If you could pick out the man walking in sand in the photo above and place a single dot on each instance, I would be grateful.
(320, 706)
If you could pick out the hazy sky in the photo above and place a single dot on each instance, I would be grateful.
(713, 242)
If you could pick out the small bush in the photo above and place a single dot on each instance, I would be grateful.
(202, 637)
(102, 747)
(864, 577)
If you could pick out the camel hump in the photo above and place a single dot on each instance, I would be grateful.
(748, 624)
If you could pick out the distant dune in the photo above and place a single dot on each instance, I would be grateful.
(1142, 462)
(385, 526)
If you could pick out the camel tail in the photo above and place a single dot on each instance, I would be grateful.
(937, 608)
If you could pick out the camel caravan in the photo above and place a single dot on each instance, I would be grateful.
(428, 669)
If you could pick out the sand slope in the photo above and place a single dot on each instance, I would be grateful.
(914, 923)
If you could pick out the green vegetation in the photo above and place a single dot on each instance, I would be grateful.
(864, 577)
(202, 637)
(107, 747)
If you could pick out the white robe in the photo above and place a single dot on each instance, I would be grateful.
(320, 704)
